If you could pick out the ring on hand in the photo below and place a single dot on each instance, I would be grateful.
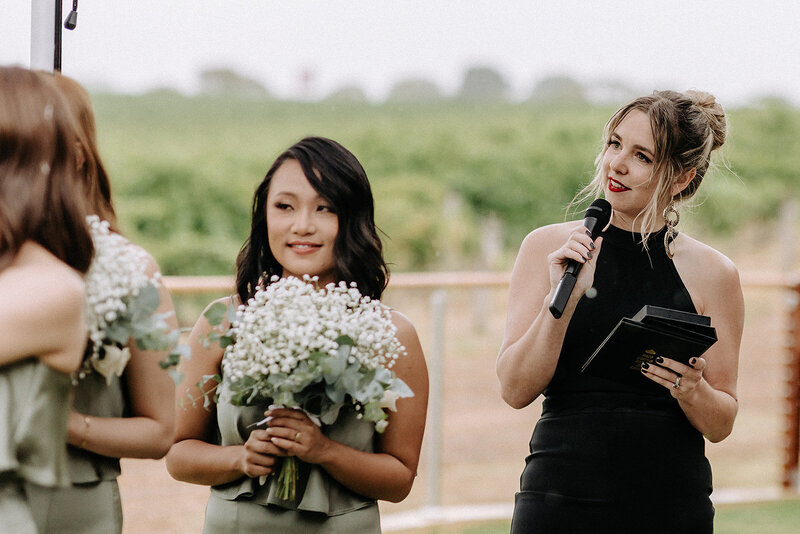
(297, 437)
(677, 383)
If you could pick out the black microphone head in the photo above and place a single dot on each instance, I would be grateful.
(597, 216)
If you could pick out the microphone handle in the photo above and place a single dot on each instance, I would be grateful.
(563, 291)
(567, 283)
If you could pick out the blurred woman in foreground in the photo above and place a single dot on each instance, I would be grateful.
(45, 247)
(122, 410)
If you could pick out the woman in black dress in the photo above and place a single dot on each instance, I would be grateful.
(625, 456)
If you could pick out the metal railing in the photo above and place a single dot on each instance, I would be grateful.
(439, 282)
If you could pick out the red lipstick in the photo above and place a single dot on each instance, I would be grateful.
(616, 187)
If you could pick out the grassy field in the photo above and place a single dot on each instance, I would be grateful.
(184, 169)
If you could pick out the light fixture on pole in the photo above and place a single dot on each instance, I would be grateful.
(72, 19)
(46, 25)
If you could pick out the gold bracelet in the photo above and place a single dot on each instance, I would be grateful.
(85, 432)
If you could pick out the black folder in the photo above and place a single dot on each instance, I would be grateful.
(652, 332)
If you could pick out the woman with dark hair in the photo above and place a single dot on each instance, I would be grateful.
(127, 415)
(312, 215)
(339, 178)
(628, 454)
(45, 247)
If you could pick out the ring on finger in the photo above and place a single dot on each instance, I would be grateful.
(677, 383)
(297, 437)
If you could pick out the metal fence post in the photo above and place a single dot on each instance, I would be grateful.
(792, 399)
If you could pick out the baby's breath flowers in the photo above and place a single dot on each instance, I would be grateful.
(297, 345)
(121, 304)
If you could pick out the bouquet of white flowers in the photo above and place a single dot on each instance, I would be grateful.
(121, 304)
(318, 349)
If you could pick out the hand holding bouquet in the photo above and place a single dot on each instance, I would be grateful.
(317, 349)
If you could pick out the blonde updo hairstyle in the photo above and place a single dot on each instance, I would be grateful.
(686, 128)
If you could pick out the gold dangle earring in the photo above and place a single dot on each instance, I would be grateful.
(671, 218)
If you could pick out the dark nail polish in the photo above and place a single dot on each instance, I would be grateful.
(591, 245)
(589, 255)
(693, 361)
(645, 365)
(659, 359)
(589, 233)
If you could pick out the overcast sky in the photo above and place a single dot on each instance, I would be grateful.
(736, 49)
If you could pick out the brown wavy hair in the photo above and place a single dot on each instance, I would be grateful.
(90, 166)
(41, 193)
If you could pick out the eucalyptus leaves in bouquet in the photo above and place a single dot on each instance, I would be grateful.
(296, 345)
(121, 305)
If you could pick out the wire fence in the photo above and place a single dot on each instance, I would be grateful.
(475, 301)
(475, 445)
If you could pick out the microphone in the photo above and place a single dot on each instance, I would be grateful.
(597, 216)
(72, 18)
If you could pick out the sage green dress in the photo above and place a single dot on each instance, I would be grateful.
(33, 429)
(91, 504)
(322, 505)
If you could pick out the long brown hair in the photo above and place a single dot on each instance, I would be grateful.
(41, 195)
(98, 186)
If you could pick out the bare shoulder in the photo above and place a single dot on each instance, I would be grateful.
(43, 308)
(228, 300)
(550, 236)
(405, 328)
(64, 283)
(400, 320)
(711, 278)
(206, 352)
(151, 268)
(705, 262)
(542, 241)
(222, 305)
(41, 277)
(411, 366)
(407, 335)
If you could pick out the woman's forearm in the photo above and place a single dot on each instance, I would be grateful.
(373, 475)
(710, 411)
(198, 462)
(526, 367)
(118, 437)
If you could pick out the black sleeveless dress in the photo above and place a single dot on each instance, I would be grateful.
(609, 456)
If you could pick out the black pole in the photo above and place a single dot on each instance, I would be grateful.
(57, 50)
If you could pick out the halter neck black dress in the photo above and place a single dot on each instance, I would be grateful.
(608, 456)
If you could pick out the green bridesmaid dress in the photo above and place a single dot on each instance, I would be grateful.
(322, 505)
(33, 428)
(91, 504)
